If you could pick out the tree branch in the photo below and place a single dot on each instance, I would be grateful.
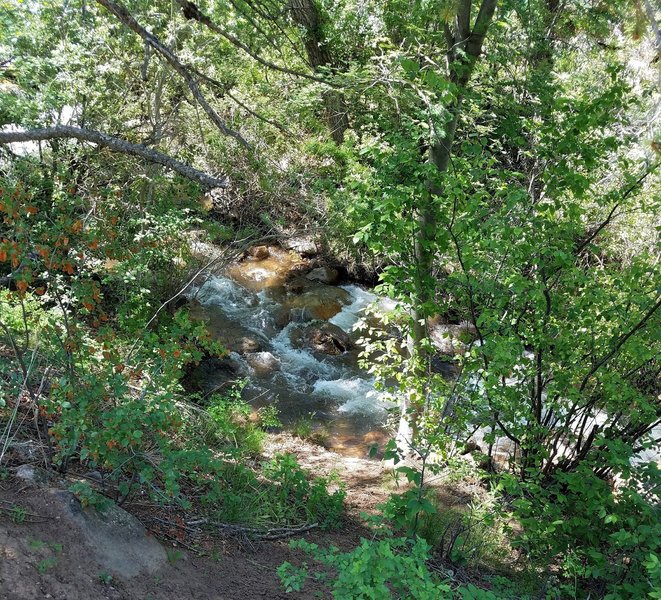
(619, 343)
(482, 22)
(125, 17)
(115, 144)
(191, 11)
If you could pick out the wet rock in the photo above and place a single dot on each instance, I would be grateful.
(263, 363)
(325, 275)
(317, 301)
(306, 247)
(282, 317)
(246, 345)
(269, 272)
(259, 252)
(119, 541)
(325, 338)
(297, 285)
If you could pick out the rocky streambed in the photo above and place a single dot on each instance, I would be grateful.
(290, 330)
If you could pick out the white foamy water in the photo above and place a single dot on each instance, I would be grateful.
(250, 310)
(299, 361)
(351, 314)
(357, 395)
(303, 381)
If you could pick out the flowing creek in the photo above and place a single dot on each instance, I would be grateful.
(292, 338)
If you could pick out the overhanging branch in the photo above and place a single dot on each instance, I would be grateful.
(115, 144)
(184, 72)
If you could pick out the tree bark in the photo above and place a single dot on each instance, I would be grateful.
(115, 144)
(307, 14)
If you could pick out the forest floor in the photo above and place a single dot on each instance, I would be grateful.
(43, 556)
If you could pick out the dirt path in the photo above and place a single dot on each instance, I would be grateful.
(368, 481)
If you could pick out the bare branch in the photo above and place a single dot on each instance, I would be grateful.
(115, 144)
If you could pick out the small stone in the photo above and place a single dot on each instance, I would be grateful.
(94, 476)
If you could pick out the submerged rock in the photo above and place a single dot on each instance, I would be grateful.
(315, 301)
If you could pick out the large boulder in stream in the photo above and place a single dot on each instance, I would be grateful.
(325, 338)
(263, 363)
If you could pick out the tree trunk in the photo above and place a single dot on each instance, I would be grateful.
(465, 46)
(306, 13)
(465, 49)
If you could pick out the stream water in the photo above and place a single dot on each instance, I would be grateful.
(293, 340)
(295, 345)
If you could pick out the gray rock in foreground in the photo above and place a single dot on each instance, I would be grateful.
(119, 541)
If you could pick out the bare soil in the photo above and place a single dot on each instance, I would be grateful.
(42, 557)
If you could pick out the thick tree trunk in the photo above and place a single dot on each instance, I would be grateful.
(306, 13)
(115, 144)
